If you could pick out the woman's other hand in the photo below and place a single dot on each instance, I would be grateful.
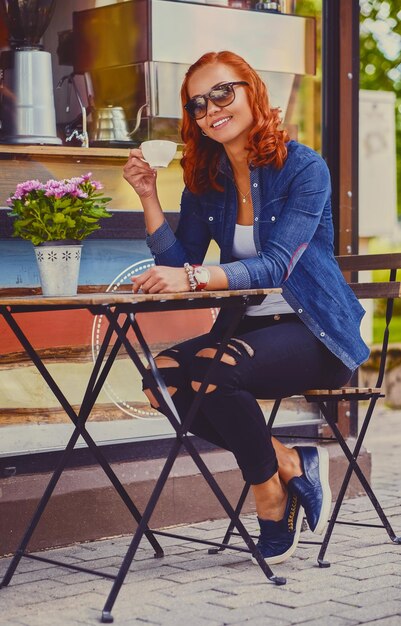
(161, 279)
(139, 174)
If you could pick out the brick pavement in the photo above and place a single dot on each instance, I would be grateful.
(191, 588)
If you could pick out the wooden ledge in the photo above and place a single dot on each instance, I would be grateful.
(63, 151)
(70, 151)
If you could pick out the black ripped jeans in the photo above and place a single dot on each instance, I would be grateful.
(266, 359)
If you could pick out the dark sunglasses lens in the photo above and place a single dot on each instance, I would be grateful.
(196, 107)
(222, 96)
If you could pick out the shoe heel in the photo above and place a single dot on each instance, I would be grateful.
(324, 480)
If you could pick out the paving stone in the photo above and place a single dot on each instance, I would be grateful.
(183, 577)
(36, 576)
(140, 611)
(351, 584)
(371, 612)
(255, 611)
(387, 621)
(321, 611)
(71, 591)
(369, 550)
(330, 620)
(371, 596)
(261, 621)
(374, 571)
(376, 560)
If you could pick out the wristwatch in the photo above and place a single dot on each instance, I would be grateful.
(201, 277)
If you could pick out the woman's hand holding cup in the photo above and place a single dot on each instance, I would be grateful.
(140, 169)
(138, 173)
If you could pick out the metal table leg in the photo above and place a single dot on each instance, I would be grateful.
(94, 386)
(159, 389)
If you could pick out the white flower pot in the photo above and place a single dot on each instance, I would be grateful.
(58, 264)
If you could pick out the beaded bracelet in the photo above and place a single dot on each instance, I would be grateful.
(190, 273)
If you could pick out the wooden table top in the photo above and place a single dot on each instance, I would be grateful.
(126, 297)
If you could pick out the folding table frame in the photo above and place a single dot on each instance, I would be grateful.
(120, 311)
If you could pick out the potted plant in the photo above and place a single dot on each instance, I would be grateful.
(56, 216)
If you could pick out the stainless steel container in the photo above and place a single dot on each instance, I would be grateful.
(27, 105)
(110, 124)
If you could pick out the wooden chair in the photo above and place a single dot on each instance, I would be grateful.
(329, 400)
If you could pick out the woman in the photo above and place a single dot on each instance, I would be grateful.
(265, 200)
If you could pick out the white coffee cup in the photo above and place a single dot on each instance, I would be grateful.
(158, 152)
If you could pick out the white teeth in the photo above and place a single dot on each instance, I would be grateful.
(219, 122)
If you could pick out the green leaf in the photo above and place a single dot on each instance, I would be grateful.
(59, 218)
(89, 220)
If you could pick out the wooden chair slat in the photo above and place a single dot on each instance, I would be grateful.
(360, 262)
(348, 391)
(376, 290)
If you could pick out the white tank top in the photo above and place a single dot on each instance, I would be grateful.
(244, 248)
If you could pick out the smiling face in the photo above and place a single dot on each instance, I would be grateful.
(228, 125)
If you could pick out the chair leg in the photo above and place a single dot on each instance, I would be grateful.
(231, 526)
(353, 467)
(333, 518)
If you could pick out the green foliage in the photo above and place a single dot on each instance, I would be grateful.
(308, 7)
(64, 211)
(380, 58)
(395, 329)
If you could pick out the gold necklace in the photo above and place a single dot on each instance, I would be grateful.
(243, 196)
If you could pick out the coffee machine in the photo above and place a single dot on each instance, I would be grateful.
(137, 60)
(27, 112)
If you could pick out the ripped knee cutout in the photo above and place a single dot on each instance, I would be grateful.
(233, 349)
(153, 402)
(209, 353)
(195, 386)
(245, 346)
(164, 361)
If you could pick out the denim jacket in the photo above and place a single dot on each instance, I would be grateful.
(293, 235)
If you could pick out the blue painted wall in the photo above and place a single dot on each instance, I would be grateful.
(102, 260)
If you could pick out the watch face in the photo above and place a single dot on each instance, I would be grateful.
(201, 275)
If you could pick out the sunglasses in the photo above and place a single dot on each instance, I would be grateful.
(221, 96)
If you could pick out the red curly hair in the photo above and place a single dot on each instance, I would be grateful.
(266, 143)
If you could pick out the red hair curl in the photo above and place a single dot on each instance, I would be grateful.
(266, 143)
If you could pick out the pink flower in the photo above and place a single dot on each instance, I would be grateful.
(57, 209)
(76, 180)
(25, 188)
(79, 187)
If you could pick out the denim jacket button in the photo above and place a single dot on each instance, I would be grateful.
(273, 219)
(322, 334)
(300, 310)
(210, 219)
(256, 219)
(255, 185)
